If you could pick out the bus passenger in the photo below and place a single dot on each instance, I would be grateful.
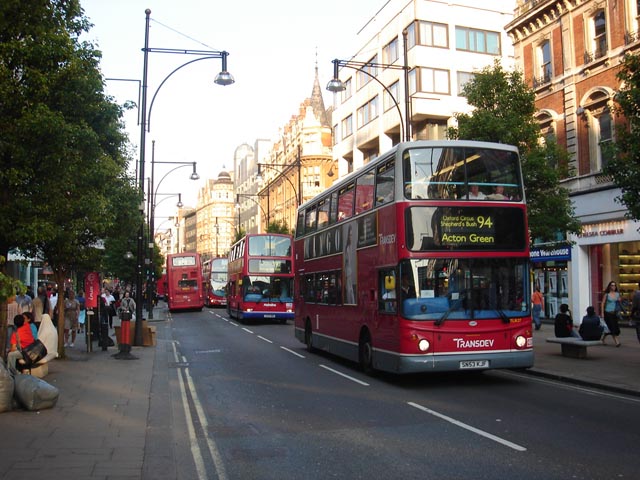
(475, 193)
(498, 194)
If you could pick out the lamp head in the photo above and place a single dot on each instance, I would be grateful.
(194, 176)
(224, 78)
(336, 85)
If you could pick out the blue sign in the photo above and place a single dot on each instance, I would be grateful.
(549, 254)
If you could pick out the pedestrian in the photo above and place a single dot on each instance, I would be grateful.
(110, 304)
(53, 304)
(609, 309)
(21, 338)
(82, 317)
(28, 318)
(71, 314)
(635, 311)
(590, 328)
(127, 304)
(25, 302)
(563, 323)
(538, 306)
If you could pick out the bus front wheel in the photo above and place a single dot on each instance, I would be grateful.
(365, 353)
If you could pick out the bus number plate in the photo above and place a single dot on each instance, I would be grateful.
(269, 315)
(469, 364)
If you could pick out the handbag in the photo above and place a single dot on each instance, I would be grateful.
(33, 353)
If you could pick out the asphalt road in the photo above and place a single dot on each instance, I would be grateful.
(249, 402)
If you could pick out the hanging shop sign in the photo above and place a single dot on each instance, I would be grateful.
(558, 253)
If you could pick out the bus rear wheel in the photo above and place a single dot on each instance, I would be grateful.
(365, 353)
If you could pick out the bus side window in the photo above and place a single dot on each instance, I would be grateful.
(387, 291)
(385, 183)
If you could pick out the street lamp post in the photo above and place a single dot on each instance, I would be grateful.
(223, 78)
(250, 197)
(336, 85)
(153, 193)
(282, 169)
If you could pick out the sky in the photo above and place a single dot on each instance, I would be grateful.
(274, 47)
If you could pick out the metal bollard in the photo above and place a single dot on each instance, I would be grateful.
(125, 338)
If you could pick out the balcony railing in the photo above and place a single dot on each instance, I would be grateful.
(599, 52)
(631, 37)
(542, 80)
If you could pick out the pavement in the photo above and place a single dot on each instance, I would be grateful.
(113, 421)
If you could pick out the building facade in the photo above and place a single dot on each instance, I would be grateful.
(215, 220)
(249, 215)
(299, 164)
(570, 53)
(441, 44)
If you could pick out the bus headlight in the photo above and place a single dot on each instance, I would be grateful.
(423, 345)
(520, 341)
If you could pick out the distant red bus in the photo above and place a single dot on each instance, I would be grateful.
(214, 276)
(261, 278)
(184, 282)
(419, 262)
(161, 286)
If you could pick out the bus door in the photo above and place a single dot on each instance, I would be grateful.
(385, 311)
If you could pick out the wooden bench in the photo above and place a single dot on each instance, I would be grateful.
(574, 347)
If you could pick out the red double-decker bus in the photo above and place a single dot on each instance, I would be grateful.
(184, 282)
(261, 278)
(214, 276)
(419, 261)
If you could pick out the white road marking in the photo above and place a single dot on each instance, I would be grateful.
(470, 428)
(291, 351)
(265, 339)
(344, 375)
(247, 330)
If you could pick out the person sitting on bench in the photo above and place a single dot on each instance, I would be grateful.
(590, 328)
(21, 338)
(564, 323)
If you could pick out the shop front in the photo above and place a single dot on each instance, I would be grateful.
(550, 274)
(606, 252)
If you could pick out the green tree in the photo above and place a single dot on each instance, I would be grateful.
(278, 226)
(62, 145)
(504, 107)
(624, 166)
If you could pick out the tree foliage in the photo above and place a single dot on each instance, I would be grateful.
(278, 226)
(62, 147)
(504, 108)
(624, 166)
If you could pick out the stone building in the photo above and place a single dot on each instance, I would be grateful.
(570, 52)
(299, 164)
(215, 220)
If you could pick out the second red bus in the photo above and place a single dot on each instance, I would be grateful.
(184, 282)
(261, 278)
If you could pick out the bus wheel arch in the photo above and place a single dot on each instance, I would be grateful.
(365, 351)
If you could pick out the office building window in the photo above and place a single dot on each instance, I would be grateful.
(463, 79)
(368, 112)
(479, 41)
(429, 80)
(348, 91)
(429, 34)
(389, 102)
(366, 73)
(347, 126)
(390, 52)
